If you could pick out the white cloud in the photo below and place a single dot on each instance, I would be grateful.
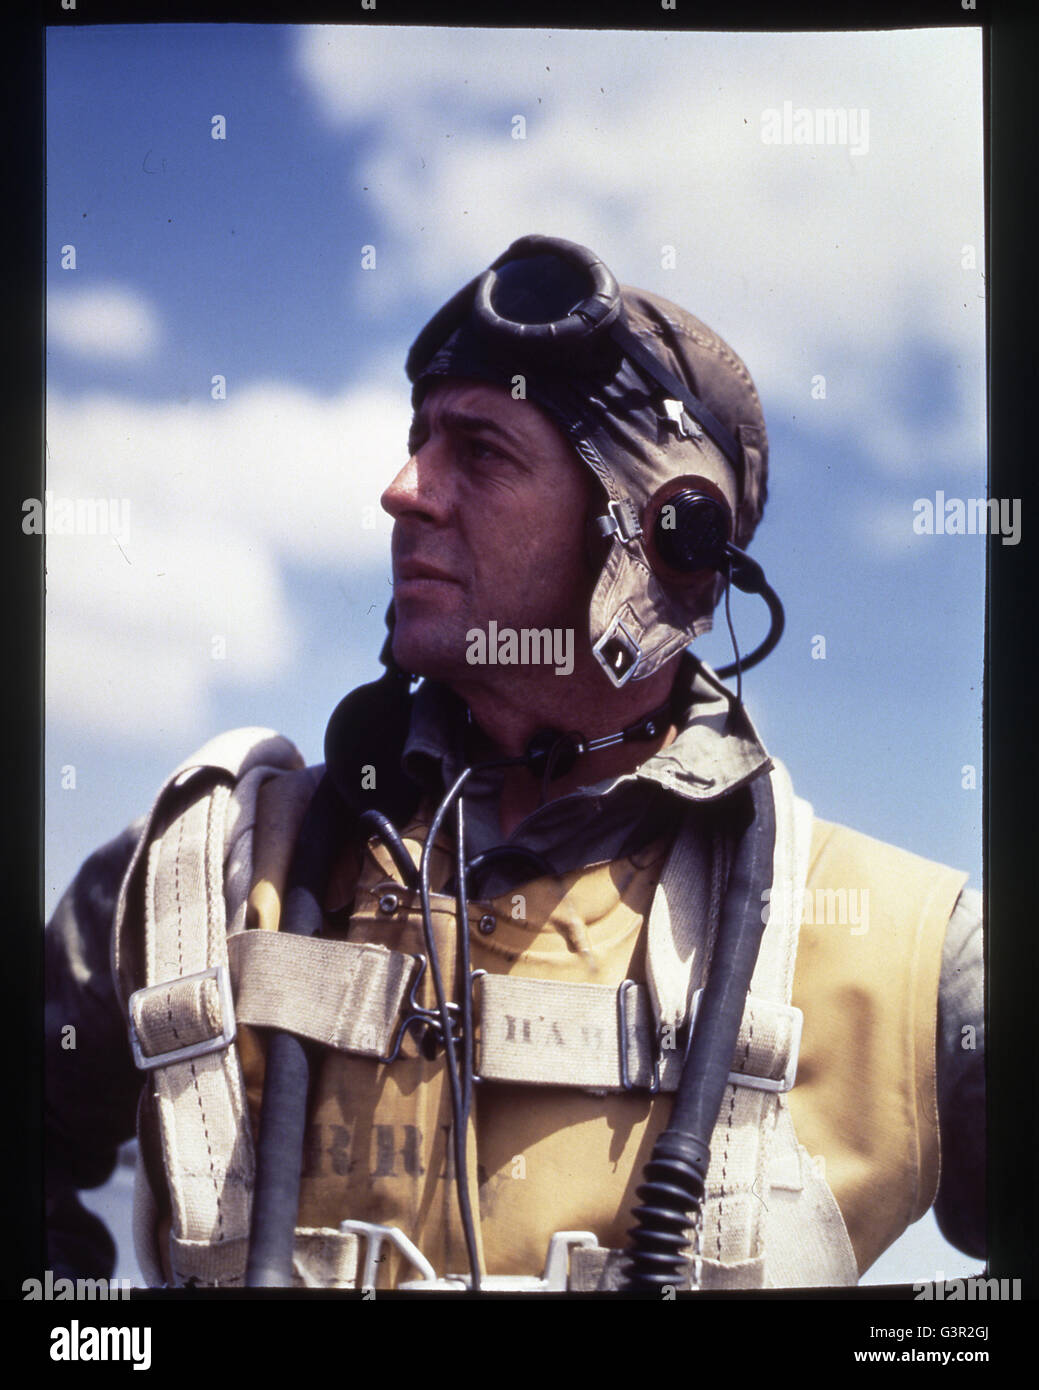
(109, 322)
(809, 259)
(885, 530)
(222, 497)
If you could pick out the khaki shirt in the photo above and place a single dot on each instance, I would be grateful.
(92, 1092)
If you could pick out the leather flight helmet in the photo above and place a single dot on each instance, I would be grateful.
(649, 397)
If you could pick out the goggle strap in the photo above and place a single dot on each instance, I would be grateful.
(655, 369)
(440, 327)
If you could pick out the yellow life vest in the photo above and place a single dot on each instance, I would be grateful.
(547, 1159)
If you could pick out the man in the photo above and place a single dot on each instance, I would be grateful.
(565, 867)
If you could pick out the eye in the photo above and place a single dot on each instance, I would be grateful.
(479, 450)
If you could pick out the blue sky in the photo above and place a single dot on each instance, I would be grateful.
(242, 258)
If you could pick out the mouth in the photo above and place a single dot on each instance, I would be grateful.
(416, 574)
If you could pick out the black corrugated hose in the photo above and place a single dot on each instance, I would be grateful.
(676, 1173)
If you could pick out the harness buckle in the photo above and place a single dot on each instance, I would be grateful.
(228, 1023)
(474, 975)
(622, 1042)
(427, 1018)
(555, 1279)
(764, 1083)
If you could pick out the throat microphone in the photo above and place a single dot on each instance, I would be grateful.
(551, 754)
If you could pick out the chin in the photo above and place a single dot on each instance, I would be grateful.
(422, 650)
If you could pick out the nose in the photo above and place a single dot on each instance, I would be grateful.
(419, 489)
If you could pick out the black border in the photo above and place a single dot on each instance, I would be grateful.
(1009, 738)
(1012, 61)
(530, 14)
(21, 826)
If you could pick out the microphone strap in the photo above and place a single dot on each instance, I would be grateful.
(551, 753)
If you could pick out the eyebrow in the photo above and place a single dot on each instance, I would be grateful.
(466, 421)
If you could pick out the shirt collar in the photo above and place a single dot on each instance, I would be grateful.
(703, 763)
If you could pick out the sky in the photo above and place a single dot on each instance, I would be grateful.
(225, 372)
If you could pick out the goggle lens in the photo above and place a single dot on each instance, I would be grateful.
(539, 289)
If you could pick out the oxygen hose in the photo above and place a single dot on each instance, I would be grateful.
(676, 1173)
(279, 1158)
(371, 717)
(336, 807)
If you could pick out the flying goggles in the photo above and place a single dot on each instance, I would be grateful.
(555, 303)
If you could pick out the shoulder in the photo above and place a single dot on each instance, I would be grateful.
(203, 820)
(235, 765)
(829, 836)
(896, 876)
(873, 927)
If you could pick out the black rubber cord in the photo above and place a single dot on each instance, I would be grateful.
(676, 1173)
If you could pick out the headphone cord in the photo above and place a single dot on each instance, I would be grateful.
(735, 645)
(459, 1083)
(459, 1107)
(460, 1078)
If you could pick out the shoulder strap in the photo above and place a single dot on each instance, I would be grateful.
(768, 1216)
(175, 986)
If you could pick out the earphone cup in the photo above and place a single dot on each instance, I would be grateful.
(690, 532)
(686, 527)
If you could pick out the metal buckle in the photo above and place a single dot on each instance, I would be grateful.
(622, 1041)
(474, 975)
(764, 1083)
(622, 521)
(677, 415)
(429, 1018)
(557, 1262)
(375, 1235)
(618, 653)
(198, 1049)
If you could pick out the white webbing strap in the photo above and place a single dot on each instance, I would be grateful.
(753, 1144)
(597, 1269)
(322, 1258)
(182, 1002)
(552, 1033)
(146, 1218)
(200, 1101)
(805, 1235)
(344, 994)
(804, 1238)
(683, 918)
